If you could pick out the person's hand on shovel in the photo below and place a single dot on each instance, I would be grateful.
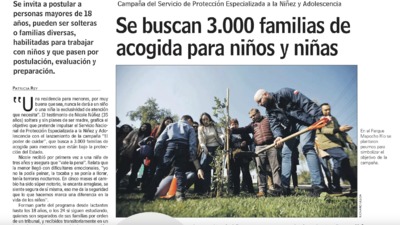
(278, 142)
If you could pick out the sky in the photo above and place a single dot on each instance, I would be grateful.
(191, 89)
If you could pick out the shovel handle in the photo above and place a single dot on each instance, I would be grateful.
(319, 124)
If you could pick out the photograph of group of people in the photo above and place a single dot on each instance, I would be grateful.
(267, 138)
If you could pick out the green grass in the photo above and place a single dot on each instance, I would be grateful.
(299, 205)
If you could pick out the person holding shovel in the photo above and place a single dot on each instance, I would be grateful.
(263, 137)
(289, 111)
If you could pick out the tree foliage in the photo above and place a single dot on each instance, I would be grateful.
(219, 111)
(151, 113)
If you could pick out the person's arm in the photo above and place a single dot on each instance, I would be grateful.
(202, 140)
(246, 141)
(128, 138)
(200, 173)
(220, 134)
(301, 107)
(243, 130)
(334, 127)
(276, 123)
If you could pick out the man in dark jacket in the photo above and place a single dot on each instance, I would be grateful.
(289, 111)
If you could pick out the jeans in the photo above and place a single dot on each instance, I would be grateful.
(176, 155)
(306, 141)
(341, 167)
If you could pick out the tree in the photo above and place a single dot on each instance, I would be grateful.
(151, 113)
(221, 158)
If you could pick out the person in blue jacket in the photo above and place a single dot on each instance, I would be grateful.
(178, 144)
(289, 111)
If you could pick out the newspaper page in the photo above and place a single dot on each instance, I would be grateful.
(97, 94)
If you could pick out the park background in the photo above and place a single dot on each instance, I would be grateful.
(179, 90)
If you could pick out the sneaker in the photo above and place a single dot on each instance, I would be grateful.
(260, 194)
(180, 196)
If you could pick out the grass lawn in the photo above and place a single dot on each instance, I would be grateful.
(244, 205)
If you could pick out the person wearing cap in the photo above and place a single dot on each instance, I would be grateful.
(331, 139)
(179, 141)
(289, 111)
